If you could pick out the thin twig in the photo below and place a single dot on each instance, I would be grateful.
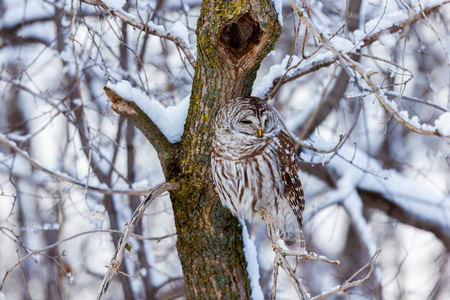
(296, 282)
(412, 99)
(314, 65)
(27, 286)
(118, 256)
(347, 61)
(56, 244)
(67, 178)
(314, 149)
(147, 28)
(280, 259)
(276, 265)
(349, 283)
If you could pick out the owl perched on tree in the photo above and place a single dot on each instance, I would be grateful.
(254, 167)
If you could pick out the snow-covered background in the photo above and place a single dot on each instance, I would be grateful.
(385, 188)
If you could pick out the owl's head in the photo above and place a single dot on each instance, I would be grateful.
(249, 116)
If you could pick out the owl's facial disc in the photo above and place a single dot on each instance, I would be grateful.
(266, 122)
(250, 124)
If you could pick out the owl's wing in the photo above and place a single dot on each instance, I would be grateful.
(284, 128)
(293, 190)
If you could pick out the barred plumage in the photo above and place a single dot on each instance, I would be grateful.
(254, 166)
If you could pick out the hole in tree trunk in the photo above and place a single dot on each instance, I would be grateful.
(240, 37)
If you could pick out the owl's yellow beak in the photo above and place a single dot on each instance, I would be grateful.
(259, 132)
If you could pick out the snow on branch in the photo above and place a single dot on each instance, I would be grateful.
(353, 205)
(118, 256)
(178, 34)
(442, 124)
(169, 120)
(281, 74)
(281, 260)
(400, 24)
(426, 205)
(65, 177)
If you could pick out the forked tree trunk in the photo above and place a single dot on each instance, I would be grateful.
(233, 37)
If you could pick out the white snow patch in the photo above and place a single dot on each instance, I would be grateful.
(252, 264)
(388, 39)
(318, 142)
(170, 120)
(443, 124)
(141, 185)
(279, 9)
(415, 121)
(95, 207)
(96, 223)
(387, 21)
(180, 30)
(342, 44)
(404, 114)
(275, 71)
(354, 94)
(2, 296)
(366, 173)
(157, 28)
(38, 227)
(70, 277)
(115, 4)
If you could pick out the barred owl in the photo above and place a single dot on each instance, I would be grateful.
(254, 167)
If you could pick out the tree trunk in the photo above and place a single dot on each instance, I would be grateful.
(233, 38)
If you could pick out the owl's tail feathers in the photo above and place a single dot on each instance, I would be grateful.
(295, 243)
(302, 241)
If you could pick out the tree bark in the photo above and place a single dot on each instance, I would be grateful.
(233, 37)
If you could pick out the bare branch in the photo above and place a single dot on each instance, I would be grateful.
(346, 60)
(64, 177)
(401, 25)
(118, 256)
(404, 215)
(310, 146)
(56, 244)
(281, 260)
(148, 28)
(141, 120)
(349, 283)
(312, 65)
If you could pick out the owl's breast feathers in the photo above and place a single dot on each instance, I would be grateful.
(237, 149)
(280, 158)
